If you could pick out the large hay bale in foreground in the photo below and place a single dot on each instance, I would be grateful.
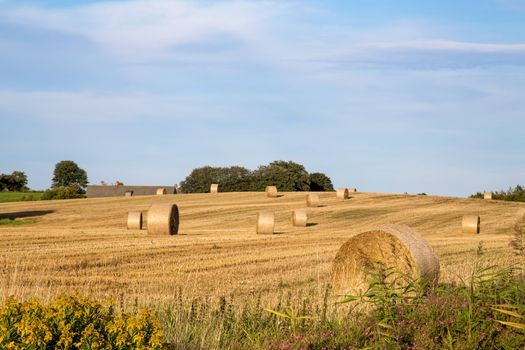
(161, 191)
(271, 191)
(128, 194)
(520, 218)
(395, 248)
(471, 224)
(342, 193)
(487, 195)
(214, 188)
(163, 219)
(299, 217)
(135, 220)
(312, 200)
(265, 223)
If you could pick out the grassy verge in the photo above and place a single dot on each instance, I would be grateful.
(17, 222)
(20, 196)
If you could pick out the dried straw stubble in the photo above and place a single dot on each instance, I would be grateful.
(471, 224)
(397, 248)
(312, 200)
(271, 191)
(163, 219)
(135, 220)
(299, 218)
(265, 223)
(520, 217)
(342, 193)
(161, 191)
(214, 188)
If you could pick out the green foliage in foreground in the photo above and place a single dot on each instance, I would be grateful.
(20, 196)
(74, 323)
(485, 312)
(516, 194)
(16, 222)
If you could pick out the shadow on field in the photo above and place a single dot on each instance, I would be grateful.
(310, 224)
(25, 214)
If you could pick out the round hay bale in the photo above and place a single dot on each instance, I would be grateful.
(342, 193)
(271, 191)
(161, 191)
(135, 220)
(395, 248)
(175, 189)
(265, 223)
(487, 195)
(214, 188)
(352, 190)
(312, 200)
(299, 218)
(163, 219)
(128, 194)
(520, 217)
(471, 224)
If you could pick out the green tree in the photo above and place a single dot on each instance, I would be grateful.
(16, 181)
(230, 179)
(286, 175)
(320, 182)
(68, 173)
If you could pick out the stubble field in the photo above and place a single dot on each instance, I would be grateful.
(83, 245)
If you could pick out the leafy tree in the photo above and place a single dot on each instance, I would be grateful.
(287, 176)
(320, 182)
(230, 179)
(69, 173)
(63, 192)
(16, 181)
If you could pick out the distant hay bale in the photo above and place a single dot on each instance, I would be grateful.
(299, 217)
(342, 193)
(175, 189)
(271, 191)
(265, 223)
(520, 217)
(312, 200)
(471, 224)
(163, 219)
(135, 220)
(352, 190)
(161, 191)
(214, 188)
(128, 194)
(487, 195)
(396, 248)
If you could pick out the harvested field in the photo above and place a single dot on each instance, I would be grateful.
(83, 245)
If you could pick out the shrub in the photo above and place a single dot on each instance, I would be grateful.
(320, 182)
(516, 194)
(72, 322)
(63, 192)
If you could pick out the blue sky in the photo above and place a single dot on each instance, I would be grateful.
(392, 96)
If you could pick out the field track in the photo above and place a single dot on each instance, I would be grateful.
(83, 245)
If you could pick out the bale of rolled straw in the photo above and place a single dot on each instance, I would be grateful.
(520, 218)
(342, 193)
(163, 219)
(312, 200)
(128, 194)
(299, 217)
(271, 191)
(487, 195)
(265, 223)
(214, 188)
(471, 224)
(396, 250)
(161, 191)
(352, 190)
(135, 220)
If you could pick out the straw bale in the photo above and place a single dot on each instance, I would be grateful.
(312, 200)
(161, 191)
(520, 217)
(299, 217)
(265, 223)
(352, 190)
(271, 191)
(395, 248)
(214, 188)
(135, 220)
(471, 224)
(342, 193)
(487, 195)
(128, 194)
(163, 219)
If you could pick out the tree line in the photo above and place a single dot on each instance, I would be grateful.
(288, 176)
